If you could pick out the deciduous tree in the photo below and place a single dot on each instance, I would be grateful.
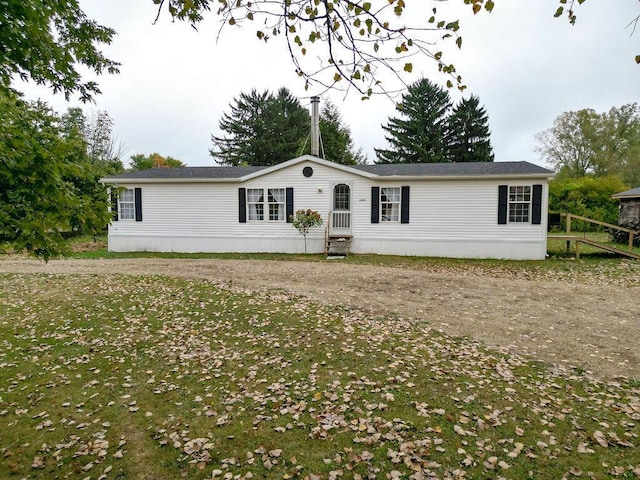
(140, 161)
(48, 186)
(349, 44)
(103, 148)
(590, 143)
(567, 146)
(305, 220)
(47, 41)
(618, 151)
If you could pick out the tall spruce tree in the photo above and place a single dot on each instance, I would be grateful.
(267, 129)
(262, 129)
(469, 134)
(421, 134)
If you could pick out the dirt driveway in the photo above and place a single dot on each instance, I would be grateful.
(595, 327)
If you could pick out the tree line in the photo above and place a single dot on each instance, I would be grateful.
(50, 164)
(596, 155)
(263, 128)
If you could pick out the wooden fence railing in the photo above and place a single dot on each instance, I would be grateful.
(598, 222)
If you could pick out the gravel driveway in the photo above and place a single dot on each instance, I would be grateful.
(595, 327)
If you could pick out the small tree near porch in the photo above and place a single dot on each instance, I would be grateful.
(305, 220)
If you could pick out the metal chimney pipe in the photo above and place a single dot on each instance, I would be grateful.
(315, 126)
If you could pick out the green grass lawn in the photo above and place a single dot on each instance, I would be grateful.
(121, 377)
(558, 247)
(594, 265)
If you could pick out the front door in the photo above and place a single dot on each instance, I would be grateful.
(341, 212)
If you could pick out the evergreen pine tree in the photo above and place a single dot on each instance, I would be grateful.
(469, 139)
(421, 136)
(267, 129)
(262, 129)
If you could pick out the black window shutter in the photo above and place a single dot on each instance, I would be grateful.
(404, 205)
(138, 204)
(114, 206)
(242, 205)
(289, 202)
(375, 204)
(503, 192)
(536, 215)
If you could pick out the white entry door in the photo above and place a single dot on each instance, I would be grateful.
(341, 212)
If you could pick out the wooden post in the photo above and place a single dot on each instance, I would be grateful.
(577, 249)
(569, 232)
(630, 241)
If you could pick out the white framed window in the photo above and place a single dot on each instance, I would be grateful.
(390, 204)
(126, 205)
(276, 198)
(266, 204)
(519, 203)
(255, 203)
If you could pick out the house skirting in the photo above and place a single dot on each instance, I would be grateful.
(215, 244)
(453, 248)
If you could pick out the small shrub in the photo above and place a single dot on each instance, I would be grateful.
(305, 220)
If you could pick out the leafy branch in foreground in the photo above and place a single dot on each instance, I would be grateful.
(567, 8)
(46, 41)
(334, 44)
(342, 44)
(366, 45)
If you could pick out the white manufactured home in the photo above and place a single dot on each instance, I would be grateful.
(466, 210)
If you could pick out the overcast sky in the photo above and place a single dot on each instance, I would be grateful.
(526, 66)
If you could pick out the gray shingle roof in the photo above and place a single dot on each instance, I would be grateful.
(454, 169)
(188, 172)
(634, 192)
(382, 170)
